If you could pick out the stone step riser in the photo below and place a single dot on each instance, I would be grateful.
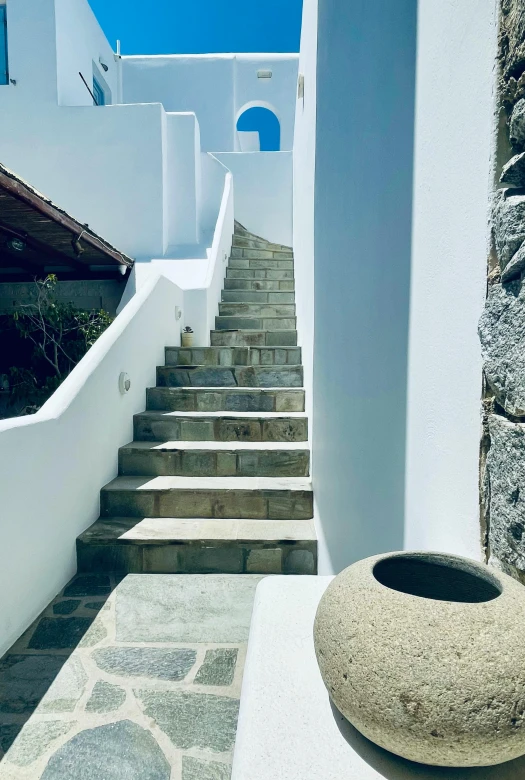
(202, 557)
(258, 297)
(213, 463)
(259, 338)
(259, 285)
(208, 504)
(255, 323)
(227, 428)
(261, 275)
(231, 377)
(260, 264)
(233, 356)
(256, 310)
(195, 400)
(261, 254)
(243, 242)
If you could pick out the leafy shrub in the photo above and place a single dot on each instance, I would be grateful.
(59, 335)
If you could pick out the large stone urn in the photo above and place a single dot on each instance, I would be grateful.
(424, 653)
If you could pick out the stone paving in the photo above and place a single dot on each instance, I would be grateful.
(128, 679)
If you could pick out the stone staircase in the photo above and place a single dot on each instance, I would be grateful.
(217, 477)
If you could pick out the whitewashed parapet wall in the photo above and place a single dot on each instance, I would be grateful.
(502, 325)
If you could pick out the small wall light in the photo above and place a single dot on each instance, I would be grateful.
(178, 312)
(16, 244)
(124, 383)
(264, 74)
(300, 86)
(105, 67)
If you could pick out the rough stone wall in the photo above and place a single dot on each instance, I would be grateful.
(502, 325)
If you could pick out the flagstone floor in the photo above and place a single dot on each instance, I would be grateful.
(133, 679)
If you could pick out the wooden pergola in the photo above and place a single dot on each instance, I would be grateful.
(38, 238)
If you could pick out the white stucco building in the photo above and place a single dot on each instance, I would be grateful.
(381, 184)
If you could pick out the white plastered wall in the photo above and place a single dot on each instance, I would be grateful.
(217, 87)
(453, 169)
(363, 203)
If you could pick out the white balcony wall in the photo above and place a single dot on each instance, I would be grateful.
(54, 463)
(263, 192)
(103, 165)
(217, 87)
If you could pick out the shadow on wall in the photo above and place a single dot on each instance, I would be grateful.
(259, 130)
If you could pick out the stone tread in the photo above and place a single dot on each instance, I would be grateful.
(172, 529)
(226, 446)
(210, 483)
(249, 322)
(226, 415)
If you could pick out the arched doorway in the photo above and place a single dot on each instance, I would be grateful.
(258, 129)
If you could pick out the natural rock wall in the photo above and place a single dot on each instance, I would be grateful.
(502, 325)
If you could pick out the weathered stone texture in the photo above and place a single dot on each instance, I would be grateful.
(118, 751)
(193, 769)
(514, 171)
(517, 124)
(508, 222)
(505, 491)
(155, 662)
(512, 38)
(502, 335)
(193, 719)
(106, 697)
(218, 667)
(34, 740)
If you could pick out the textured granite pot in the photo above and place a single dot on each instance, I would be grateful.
(424, 654)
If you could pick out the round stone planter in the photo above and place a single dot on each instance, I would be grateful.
(424, 654)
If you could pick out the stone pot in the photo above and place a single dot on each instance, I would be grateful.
(424, 653)
(186, 340)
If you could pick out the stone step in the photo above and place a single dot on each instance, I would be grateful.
(255, 323)
(257, 296)
(220, 426)
(258, 254)
(230, 376)
(228, 399)
(258, 243)
(253, 338)
(249, 498)
(260, 285)
(233, 356)
(257, 309)
(260, 264)
(214, 459)
(127, 545)
(260, 274)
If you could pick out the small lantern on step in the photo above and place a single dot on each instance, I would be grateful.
(186, 338)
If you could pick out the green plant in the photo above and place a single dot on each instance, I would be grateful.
(60, 335)
(187, 329)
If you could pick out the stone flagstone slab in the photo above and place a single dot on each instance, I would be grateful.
(106, 697)
(191, 720)
(154, 662)
(24, 680)
(218, 667)
(194, 769)
(184, 608)
(118, 751)
(34, 740)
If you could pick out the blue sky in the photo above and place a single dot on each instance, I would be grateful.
(200, 26)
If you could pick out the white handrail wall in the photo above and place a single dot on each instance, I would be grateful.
(54, 463)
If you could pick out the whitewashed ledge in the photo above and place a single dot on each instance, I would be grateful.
(287, 727)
